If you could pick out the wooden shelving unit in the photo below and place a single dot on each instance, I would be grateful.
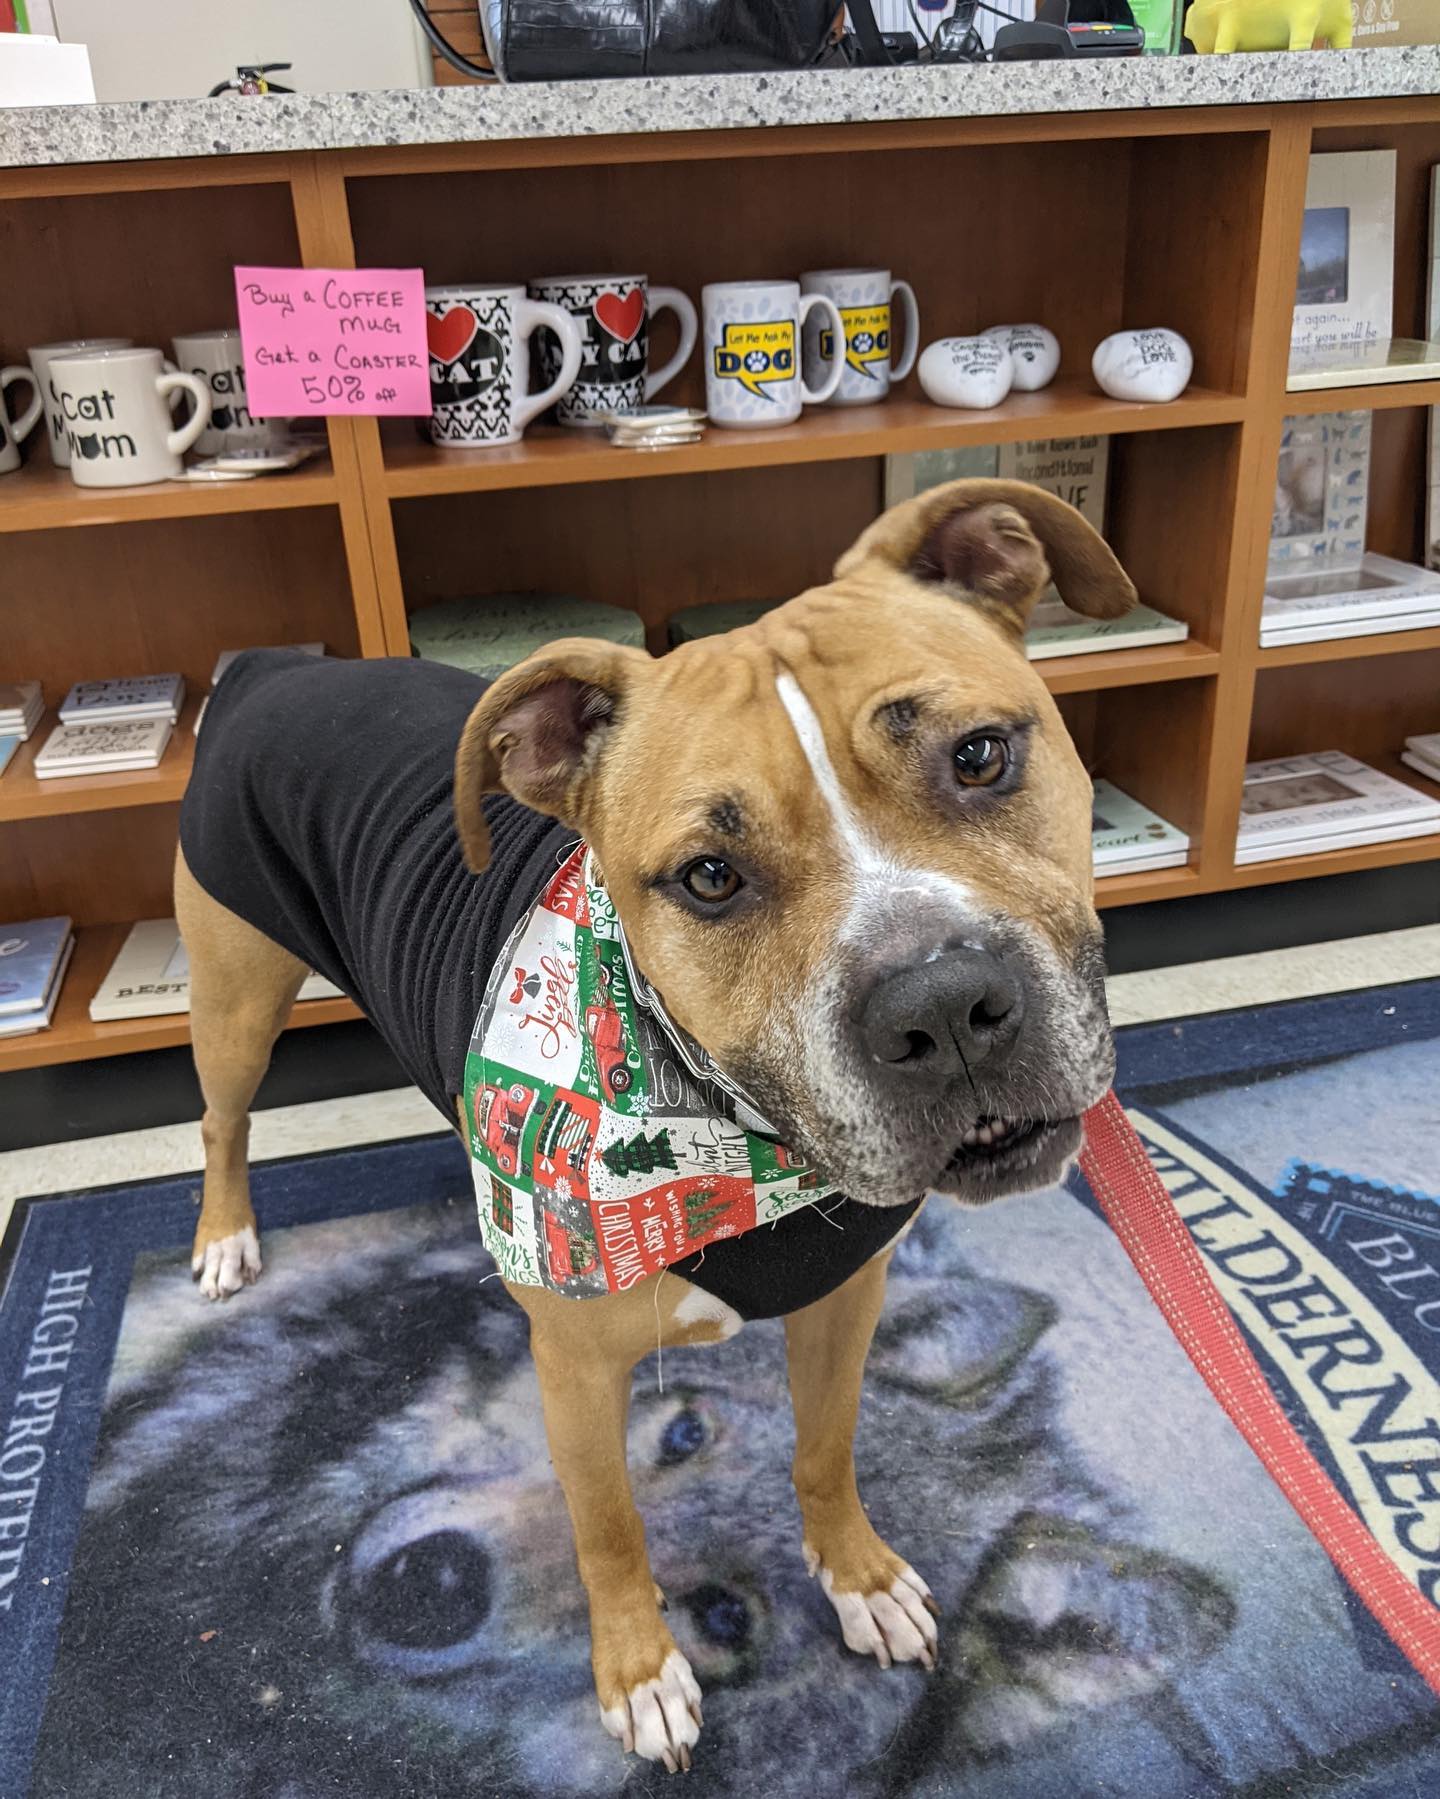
(553, 457)
(1190, 219)
(73, 1037)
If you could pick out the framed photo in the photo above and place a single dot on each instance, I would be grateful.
(1074, 468)
(1322, 491)
(1345, 286)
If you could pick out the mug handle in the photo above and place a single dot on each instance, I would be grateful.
(179, 441)
(177, 400)
(899, 370)
(529, 316)
(808, 303)
(22, 427)
(684, 309)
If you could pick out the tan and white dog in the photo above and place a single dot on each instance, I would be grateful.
(850, 845)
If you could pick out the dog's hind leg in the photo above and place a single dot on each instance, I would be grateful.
(883, 1605)
(242, 987)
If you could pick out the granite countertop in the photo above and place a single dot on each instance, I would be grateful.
(131, 130)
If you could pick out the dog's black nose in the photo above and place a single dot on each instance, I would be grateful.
(940, 1019)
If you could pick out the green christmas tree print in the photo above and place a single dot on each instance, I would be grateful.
(641, 1155)
(703, 1209)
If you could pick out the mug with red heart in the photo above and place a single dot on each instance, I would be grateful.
(479, 366)
(613, 315)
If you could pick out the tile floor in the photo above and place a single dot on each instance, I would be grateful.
(1351, 963)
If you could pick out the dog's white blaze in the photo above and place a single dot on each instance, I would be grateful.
(812, 740)
(879, 877)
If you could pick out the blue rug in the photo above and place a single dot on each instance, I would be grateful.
(308, 1544)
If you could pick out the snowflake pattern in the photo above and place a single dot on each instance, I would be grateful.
(563, 1189)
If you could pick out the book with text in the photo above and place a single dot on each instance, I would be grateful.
(29, 955)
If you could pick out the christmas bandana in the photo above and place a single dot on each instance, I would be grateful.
(598, 1159)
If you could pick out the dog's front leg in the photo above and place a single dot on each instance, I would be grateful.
(883, 1605)
(585, 1352)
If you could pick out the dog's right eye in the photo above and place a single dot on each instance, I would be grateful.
(710, 880)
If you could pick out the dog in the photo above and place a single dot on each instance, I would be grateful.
(850, 846)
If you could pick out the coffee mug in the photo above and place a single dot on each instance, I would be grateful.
(216, 357)
(116, 408)
(12, 431)
(866, 299)
(752, 351)
(480, 363)
(612, 313)
(40, 359)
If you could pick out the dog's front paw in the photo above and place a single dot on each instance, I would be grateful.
(659, 1718)
(226, 1264)
(885, 1610)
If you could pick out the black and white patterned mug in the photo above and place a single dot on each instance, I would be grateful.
(480, 364)
(612, 313)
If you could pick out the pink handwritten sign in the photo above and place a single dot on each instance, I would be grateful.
(334, 341)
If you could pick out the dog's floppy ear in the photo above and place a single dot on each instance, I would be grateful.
(999, 543)
(536, 731)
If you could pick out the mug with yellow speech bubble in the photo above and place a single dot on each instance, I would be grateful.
(752, 352)
(866, 301)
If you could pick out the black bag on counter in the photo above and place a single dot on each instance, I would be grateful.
(556, 40)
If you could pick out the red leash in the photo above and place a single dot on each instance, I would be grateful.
(1144, 1218)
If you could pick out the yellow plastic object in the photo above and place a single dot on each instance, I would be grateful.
(1222, 25)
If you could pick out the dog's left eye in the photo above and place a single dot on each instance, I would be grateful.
(710, 880)
(981, 760)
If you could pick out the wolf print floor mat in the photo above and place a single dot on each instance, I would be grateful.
(308, 1544)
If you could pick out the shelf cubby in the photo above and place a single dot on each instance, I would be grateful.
(1188, 219)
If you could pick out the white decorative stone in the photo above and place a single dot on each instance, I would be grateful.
(966, 371)
(1034, 351)
(1143, 365)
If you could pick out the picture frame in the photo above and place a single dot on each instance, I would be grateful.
(1077, 469)
(1322, 492)
(1345, 282)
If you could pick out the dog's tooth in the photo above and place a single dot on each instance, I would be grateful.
(985, 1135)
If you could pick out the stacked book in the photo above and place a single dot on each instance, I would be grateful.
(1423, 755)
(33, 960)
(490, 634)
(1128, 838)
(1054, 630)
(21, 708)
(1376, 595)
(226, 657)
(150, 978)
(112, 702)
(112, 727)
(1304, 805)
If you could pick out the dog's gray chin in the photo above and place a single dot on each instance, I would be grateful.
(1042, 1159)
